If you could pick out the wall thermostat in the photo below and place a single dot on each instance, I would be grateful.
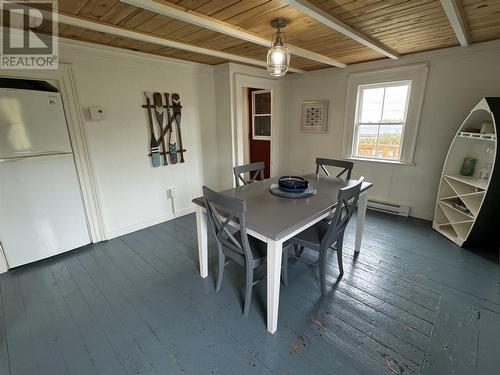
(96, 113)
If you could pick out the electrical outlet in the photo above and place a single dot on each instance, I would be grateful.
(171, 192)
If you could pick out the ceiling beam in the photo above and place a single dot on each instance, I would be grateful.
(226, 28)
(148, 38)
(455, 14)
(327, 19)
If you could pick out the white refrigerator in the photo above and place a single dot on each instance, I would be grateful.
(41, 208)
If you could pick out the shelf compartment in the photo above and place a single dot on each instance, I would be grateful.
(448, 231)
(440, 218)
(446, 190)
(465, 185)
(473, 201)
(463, 229)
(454, 215)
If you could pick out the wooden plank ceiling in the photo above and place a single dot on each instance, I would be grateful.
(406, 26)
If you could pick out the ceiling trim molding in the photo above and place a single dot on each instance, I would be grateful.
(327, 19)
(455, 14)
(226, 28)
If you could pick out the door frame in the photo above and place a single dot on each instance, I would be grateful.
(65, 77)
(242, 82)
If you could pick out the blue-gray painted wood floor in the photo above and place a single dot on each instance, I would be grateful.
(410, 303)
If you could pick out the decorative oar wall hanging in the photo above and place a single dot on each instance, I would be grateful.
(168, 121)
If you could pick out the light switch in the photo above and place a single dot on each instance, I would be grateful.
(96, 113)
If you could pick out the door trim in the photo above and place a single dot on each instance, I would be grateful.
(65, 76)
(243, 81)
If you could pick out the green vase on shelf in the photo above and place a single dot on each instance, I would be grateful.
(468, 167)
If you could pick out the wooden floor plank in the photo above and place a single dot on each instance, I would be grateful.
(22, 355)
(488, 361)
(103, 355)
(453, 343)
(381, 328)
(51, 322)
(130, 354)
(4, 353)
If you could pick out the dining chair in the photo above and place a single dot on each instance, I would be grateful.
(247, 251)
(255, 170)
(321, 236)
(346, 165)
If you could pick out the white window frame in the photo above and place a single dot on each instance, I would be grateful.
(357, 121)
(261, 137)
(417, 76)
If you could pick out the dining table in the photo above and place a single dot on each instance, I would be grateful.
(274, 220)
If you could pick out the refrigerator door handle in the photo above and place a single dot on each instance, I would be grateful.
(48, 153)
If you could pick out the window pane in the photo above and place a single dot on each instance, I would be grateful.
(262, 126)
(263, 103)
(389, 142)
(395, 103)
(371, 107)
(367, 141)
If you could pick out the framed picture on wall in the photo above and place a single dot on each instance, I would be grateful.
(314, 116)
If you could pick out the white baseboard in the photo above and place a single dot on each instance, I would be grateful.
(148, 223)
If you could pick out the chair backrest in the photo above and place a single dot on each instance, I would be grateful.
(256, 170)
(347, 200)
(346, 165)
(221, 210)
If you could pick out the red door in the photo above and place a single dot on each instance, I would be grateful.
(259, 129)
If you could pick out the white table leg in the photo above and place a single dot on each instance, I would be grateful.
(360, 220)
(201, 230)
(274, 255)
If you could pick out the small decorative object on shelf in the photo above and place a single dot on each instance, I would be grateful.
(171, 115)
(468, 167)
(485, 171)
(487, 127)
(468, 203)
(314, 116)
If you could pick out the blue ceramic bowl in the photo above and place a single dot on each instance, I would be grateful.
(293, 184)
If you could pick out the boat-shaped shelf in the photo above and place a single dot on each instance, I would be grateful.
(468, 207)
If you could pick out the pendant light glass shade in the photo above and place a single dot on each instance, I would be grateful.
(278, 56)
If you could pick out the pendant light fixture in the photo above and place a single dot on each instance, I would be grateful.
(278, 56)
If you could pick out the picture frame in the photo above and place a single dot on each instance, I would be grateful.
(314, 116)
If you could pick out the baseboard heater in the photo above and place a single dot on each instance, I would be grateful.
(390, 208)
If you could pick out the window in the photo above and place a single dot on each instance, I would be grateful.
(383, 113)
(380, 120)
(261, 115)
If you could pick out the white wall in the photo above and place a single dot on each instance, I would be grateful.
(133, 195)
(458, 79)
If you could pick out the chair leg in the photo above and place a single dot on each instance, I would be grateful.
(284, 267)
(322, 270)
(248, 290)
(339, 256)
(222, 260)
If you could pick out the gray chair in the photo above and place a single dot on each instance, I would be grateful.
(321, 236)
(344, 164)
(245, 250)
(255, 170)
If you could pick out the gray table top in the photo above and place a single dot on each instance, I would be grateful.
(275, 217)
